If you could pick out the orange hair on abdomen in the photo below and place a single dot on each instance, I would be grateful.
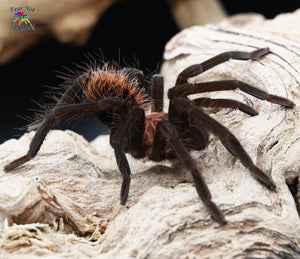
(108, 82)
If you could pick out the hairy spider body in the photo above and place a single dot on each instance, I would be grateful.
(138, 125)
(108, 82)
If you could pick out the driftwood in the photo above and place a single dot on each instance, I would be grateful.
(73, 186)
(71, 22)
(68, 21)
(196, 12)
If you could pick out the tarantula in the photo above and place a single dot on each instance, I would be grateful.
(119, 99)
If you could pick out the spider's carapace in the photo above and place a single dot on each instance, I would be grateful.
(120, 98)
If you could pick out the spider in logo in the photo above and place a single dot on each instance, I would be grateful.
(122, 100)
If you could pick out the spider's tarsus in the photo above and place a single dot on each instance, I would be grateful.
(125, 191)
(263, 177)
(17, 163)
(216, 213)
(257, 54)
(281, 101)
(248, 110)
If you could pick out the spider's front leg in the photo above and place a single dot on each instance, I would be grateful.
(197, 69)
(166, 132)
(56, 114)
(197, 117)
(129, 136)
(224, 85)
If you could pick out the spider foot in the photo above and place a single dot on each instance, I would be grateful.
(216, 213)
(257, 54)
(17, 163)
(280, 100)
(263, 177)
(125, 191)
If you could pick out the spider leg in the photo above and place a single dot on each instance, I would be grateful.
(157, 92)
(225, 103)
(197, 69)
(197, 135)
(168, 131)
(73, 91)
(158, 146)
(55, 114)
(187, 89)
(69, 95)
(130, 132)
(198, 117)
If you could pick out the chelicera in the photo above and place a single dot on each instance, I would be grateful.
(138, 125)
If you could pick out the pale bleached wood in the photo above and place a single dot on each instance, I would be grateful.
(196, 12)
(69, 21)
(164, 217)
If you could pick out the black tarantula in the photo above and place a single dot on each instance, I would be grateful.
(118, 97)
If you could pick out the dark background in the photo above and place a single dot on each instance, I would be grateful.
(135, 28)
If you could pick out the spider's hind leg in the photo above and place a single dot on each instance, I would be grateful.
(68, 97)
(44, 126)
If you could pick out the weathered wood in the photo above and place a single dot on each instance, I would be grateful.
(68, 21)
(196, 12)
(71, 21)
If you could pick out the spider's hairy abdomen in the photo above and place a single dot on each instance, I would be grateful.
(108, 82)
